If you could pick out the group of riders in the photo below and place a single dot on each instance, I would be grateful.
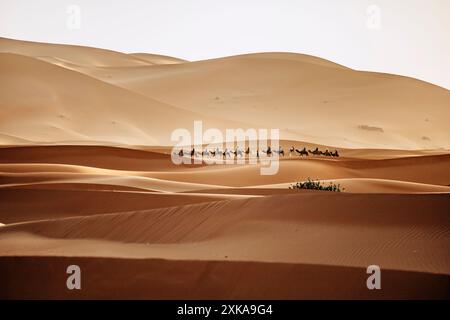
(315, 152)
(230, 153)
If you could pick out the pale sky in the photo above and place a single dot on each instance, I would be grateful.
(407, 37)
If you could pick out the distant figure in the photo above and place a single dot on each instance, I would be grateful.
(302, 152)
(291, 150)
(238, 152)
(280, 151)
(227, 153)
(315, 152)
(181, 153)
(219, 152)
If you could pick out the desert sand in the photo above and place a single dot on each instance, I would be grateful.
(86, 178)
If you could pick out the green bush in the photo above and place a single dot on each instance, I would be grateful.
(316, 185)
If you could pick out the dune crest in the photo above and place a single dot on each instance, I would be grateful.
(157, 59)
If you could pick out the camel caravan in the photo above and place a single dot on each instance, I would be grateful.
(239, 153)
(315, 152)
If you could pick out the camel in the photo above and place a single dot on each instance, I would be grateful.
(302, 152)
(291, 150)
(238, 152)
(179, 153)
(205, 153)
(315, 151)
(219, 152)
(268, 151)
(280, 151)
(227, 153)
(335, 154)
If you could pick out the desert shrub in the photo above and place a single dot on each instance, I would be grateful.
(316, 185)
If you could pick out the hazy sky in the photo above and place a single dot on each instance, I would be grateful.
(408, 37)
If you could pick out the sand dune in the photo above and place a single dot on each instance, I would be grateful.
(121, 180)
(244, 233)
(59, 202)
(294, 223)
(253, 231)
(355, 101)
(160, 279)
(156, 158)
(352, 185)
(86, 178)
(363, 185)
(92, 156)
(41, 102)
(179, 217)
(153, 171)
(426, 170)
(252, 90)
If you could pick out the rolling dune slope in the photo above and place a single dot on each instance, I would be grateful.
(296, 230)
(286, 228)
(41, 102)
(308, 98)
(315, 102)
